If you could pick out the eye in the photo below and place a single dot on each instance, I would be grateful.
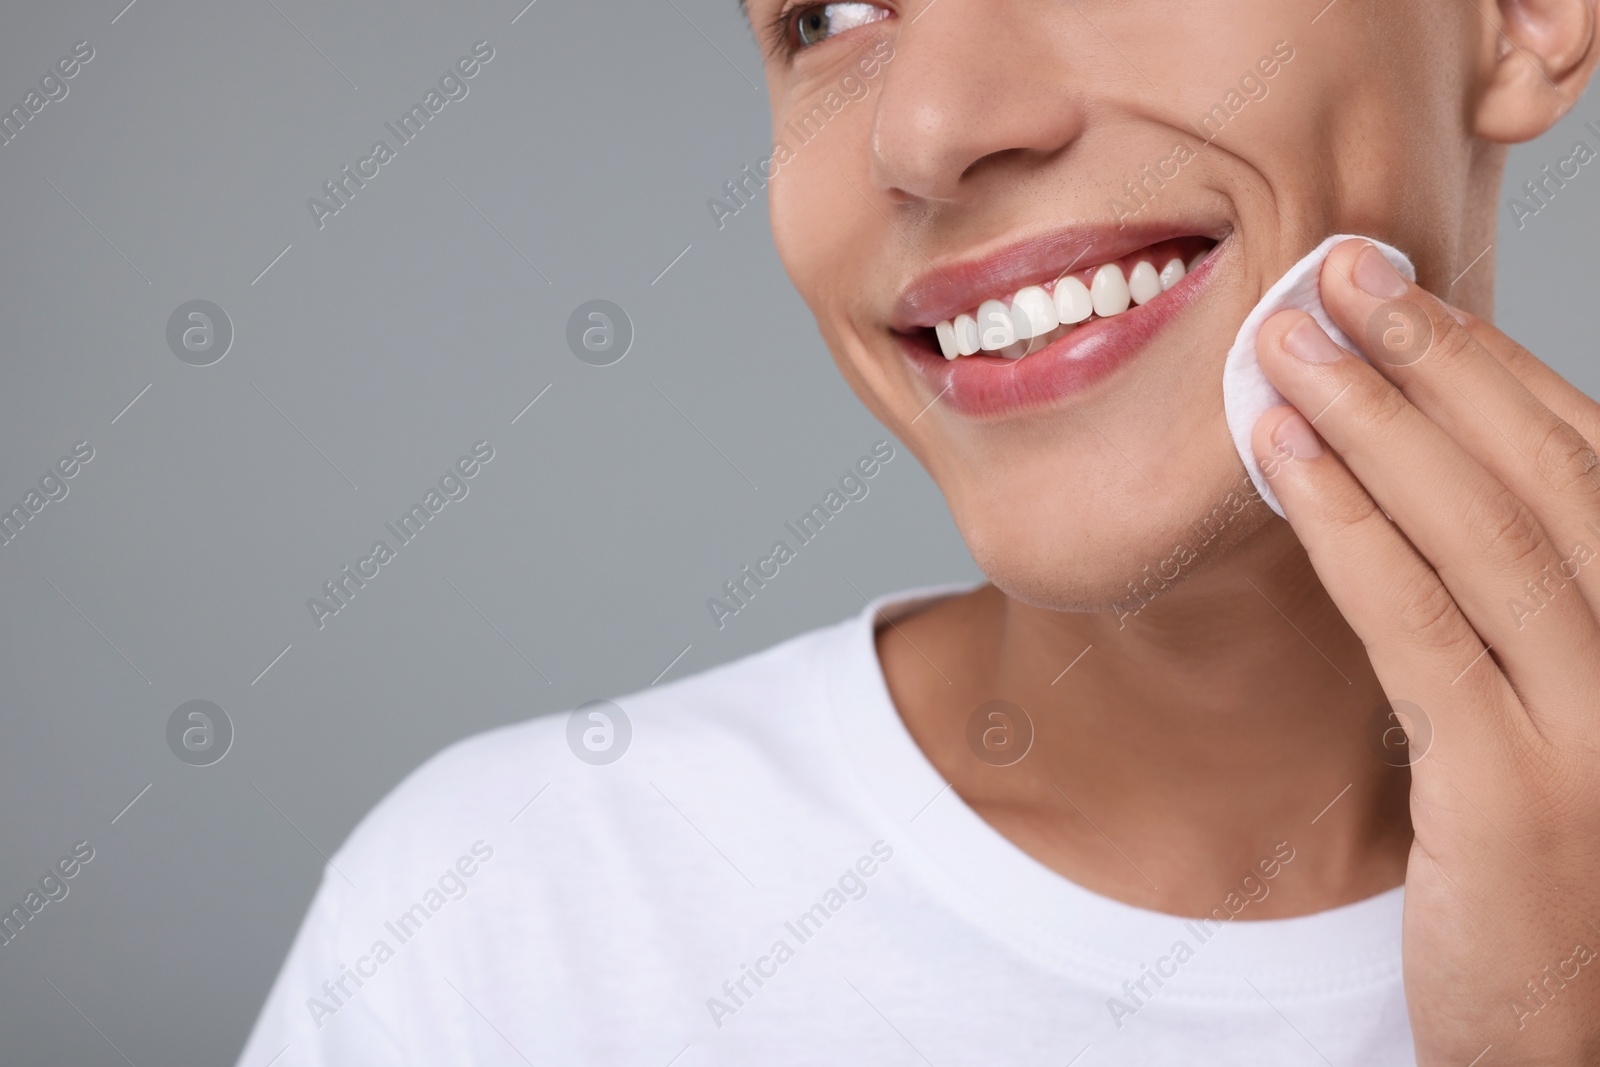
(815, 23)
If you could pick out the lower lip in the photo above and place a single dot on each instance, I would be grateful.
(992, 386)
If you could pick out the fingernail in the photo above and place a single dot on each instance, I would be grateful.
(1459, 316)
(1295, 439)
(1375, 275)
(1310, 343)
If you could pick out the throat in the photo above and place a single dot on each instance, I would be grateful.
(1151, 776)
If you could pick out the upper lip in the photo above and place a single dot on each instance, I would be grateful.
(959, 285)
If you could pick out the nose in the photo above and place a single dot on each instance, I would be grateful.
(975, 86)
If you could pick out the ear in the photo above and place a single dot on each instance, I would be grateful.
(1543, 53)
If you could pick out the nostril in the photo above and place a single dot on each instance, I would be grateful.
(957, 114)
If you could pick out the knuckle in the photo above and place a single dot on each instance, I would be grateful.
(1502, 527)
(1584, 415)
(1352, 510)
(1452, 342)
(1565, 457)
(1429, 614)
(1386, 407)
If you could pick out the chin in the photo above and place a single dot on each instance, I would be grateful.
(1105, 542)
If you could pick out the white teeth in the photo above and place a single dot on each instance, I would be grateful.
(1033, 313)
(1144, 284)
(1034, 317)
(1172, 274)
(966, 330)
(1072, 301)
(995, 326)
(1109, 291)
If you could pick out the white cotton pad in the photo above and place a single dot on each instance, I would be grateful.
(1246, 393)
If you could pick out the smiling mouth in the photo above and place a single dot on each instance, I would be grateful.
(1011, 325)
(1013, 332)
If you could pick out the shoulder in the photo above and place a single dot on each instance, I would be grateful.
(524, 843)
(741, 718)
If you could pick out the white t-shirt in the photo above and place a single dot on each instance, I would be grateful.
(773, 874)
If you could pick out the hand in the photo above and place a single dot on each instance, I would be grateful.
(1449, 499)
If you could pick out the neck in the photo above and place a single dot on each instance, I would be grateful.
(1173, 751)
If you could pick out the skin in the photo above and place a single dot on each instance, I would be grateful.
(1237, 709)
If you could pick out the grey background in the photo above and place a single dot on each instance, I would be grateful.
(422, 318)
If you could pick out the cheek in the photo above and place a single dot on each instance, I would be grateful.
(811, 230)
(789, 203)
(832, 243)
(824, 231)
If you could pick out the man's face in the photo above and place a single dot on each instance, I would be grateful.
(932, 157)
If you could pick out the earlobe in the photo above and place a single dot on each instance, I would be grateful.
(1544, 53)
